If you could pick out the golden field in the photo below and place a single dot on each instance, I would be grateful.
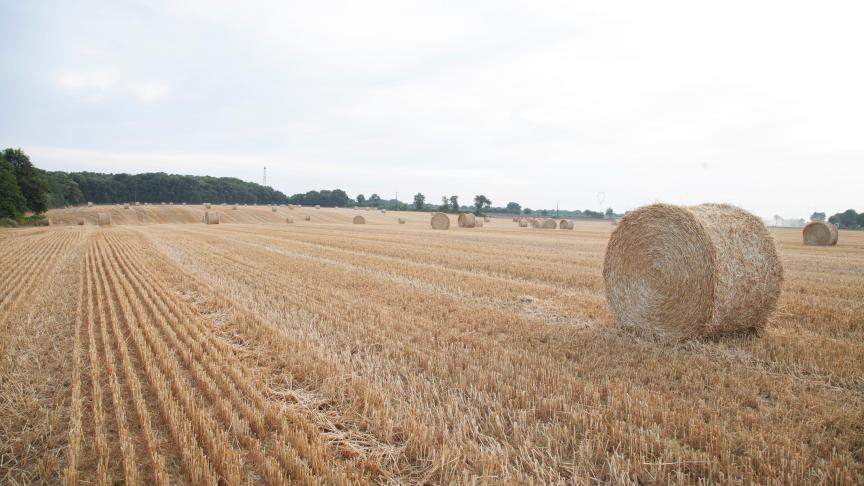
(161, 350)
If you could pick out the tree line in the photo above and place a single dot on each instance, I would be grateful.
(849, 219)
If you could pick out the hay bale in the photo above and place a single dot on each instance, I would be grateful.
(515, 219)
(549, 224)
(535, 223)
(359, 219)
(104, 219)
(211, 217)
(523, 223)
(679, 272)
(234, 207)
(273, 208)
(126, 206)
(565, 224)
(317, 206)
(207, 205)
(466, 220)
(289, 220)
(440, 221)
(486, 219)
(401, 220)
(308, 218)
(820, 233)
(137, 203)
(80, 222)
(89, 204)
(383, 210)
(478, 222)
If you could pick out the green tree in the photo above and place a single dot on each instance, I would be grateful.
(610, 213)
(481, 202)
(454, 203)
(419, 201)
(514, 207)
(30, 181)
(375, 200)
(527, 210)
(12, 202)
(361, 200)
(817, 216)
(445, 204)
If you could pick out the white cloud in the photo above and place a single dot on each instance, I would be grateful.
(101, 85)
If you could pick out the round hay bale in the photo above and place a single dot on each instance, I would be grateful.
(308, 218)
(137, 203)
(478, 222)
(820, 233)
(694, 271)
(487, 219)
(535, 223)
(289, 220)
(273, 208)
(467, 220)
(104, 219)
(523, 223)
(211, 217)
(440, 221)
(80, 221)
(207, 205)
(359, 219)
(317, 206)
(565, 224)
(126, 206)
(89, 204)
(234, 207)
(401, 220)
(549, 224)
(515, 219)
(368, 209)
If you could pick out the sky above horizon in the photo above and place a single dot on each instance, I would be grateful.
(580, 104)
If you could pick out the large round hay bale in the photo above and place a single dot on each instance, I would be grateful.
(487, 219)
(523, 223)
(467, 220)
(126, 206)
(820, 233)
(104, 219)
(289, 220)
(80, 221)
(234, 207)
(273, 208)
(207, 205)
(89, 204)
(535, 223)
(317, 206)
(565, 224)
(478, 222)
(401, 220)
(549, 224)
(515, 219)
(359, 219)
(440, 221)
(692, 271)
(211, 217)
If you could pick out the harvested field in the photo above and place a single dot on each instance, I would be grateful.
(326, 352)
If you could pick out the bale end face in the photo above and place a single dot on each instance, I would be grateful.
(820, 233)
(440, 221)
(401, 220)
(359, 219)
(467, 220)
(680, 272)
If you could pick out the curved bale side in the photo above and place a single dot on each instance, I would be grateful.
(207, 205)
(359, 219)
(523, 223)
(820, 233)
(401, 220)
(440, 221)
(103, 219)
(534, 223)
(466, 220)
(565, 224)
(487, 219)
(80, 221)
(549, 224)
(211, 217)
(317, 206)
(478, 222)
(697, 271)
(273, 209)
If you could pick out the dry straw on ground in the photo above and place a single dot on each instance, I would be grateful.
(401, 220)
(820, 233)
(467, 220)
(211, 217)
(549, 224)
(359, 219)
(565, 224)
(104, 219)
(692, 271)
(440, 221)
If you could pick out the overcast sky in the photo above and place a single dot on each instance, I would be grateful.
(756, 103)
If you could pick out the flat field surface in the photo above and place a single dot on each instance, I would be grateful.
(161, 350)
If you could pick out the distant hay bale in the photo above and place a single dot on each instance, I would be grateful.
(126, 206)
(487, 219)
(383, 210)
(614, 221)
(694, 271)
(368, 209)
(549, 224)
(515, 219)
(308, 218)
(289, 220)
(80, 221)
(104, 219)
(820, 233)
(317, 206)
(137, 203)
(535, 223)
(162, 203)
(89, 204)
(440, 221)
(234, 207)
(183, 204)
(211, 217)
(523, 223)
(467, 220)
(273, 208)
(565, 224)
(478, 222)
(401, 220)
(359, 219)
(207, 205)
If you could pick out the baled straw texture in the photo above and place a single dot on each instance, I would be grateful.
(565, 224)
(467, 220)
(401, 220)
(359, 219)
(820, 233)
(478, 222)
(549, 224)
(440, 221)
(80, 221)
(535, 223)
(126, 206)
(693, 271)
(523, 223)
(289, 220)
(104, 219)
(211, 217)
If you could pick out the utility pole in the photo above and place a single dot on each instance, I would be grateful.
(265, 176)
(556, 209)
